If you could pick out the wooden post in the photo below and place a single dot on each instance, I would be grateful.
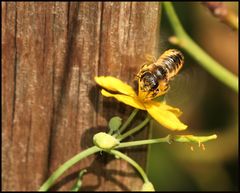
(51, 107)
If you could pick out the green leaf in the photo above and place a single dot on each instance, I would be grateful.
(114, 124)
(76, 187)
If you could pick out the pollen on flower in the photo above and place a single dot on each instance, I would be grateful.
(191, 148)
(203, 147)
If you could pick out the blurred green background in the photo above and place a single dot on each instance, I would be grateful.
(208, 106)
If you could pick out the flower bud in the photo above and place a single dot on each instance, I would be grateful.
(147, 186)
(105, 141)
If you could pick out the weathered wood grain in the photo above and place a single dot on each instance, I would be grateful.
(51, 107)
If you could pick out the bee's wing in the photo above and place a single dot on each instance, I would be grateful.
(187, 88)
(150, 58)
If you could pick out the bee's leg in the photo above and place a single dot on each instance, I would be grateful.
(155, 93)
(164, 87)
(152, 94)
(148, 96)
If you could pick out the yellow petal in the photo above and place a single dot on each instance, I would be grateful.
(166, 118)
(164, 106)
(114, 84)
(131, 101)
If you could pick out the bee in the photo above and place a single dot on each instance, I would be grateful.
(154, 76)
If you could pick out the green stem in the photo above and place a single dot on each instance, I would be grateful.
(67, 165)
(76, 187)
(210, 64)
(169, 139)
(149, 150)
(135, 129)
(143, 142)
(184, 41)
(174, 21)
(129, 120)
(132, 162)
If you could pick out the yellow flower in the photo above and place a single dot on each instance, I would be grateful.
(161, 112)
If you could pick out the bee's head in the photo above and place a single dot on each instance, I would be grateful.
(148, 82)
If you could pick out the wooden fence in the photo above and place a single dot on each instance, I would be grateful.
(51, 107)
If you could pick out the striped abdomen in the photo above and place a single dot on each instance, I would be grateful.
(171, 61)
